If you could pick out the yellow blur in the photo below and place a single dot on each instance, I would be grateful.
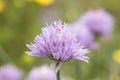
(43, 2)
(27, 59)
(116, 56)
(2, 5)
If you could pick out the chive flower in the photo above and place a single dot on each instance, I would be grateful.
(57, 42)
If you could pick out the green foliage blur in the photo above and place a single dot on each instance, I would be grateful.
(21, 21)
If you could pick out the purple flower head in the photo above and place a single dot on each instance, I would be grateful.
(10, 72)
(99, 22)
(84, 35)
(58, 42)
(42, 73)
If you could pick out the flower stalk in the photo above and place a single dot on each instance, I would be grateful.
(58, 75)
(56, 67)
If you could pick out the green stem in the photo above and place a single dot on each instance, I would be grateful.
(58, 75)
(56, 66)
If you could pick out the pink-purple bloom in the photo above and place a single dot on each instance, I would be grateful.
(42, 73)
(84, 36)
(58, 42)
(10, 72)
(99, 21)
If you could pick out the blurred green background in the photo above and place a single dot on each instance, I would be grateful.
(22, 20)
